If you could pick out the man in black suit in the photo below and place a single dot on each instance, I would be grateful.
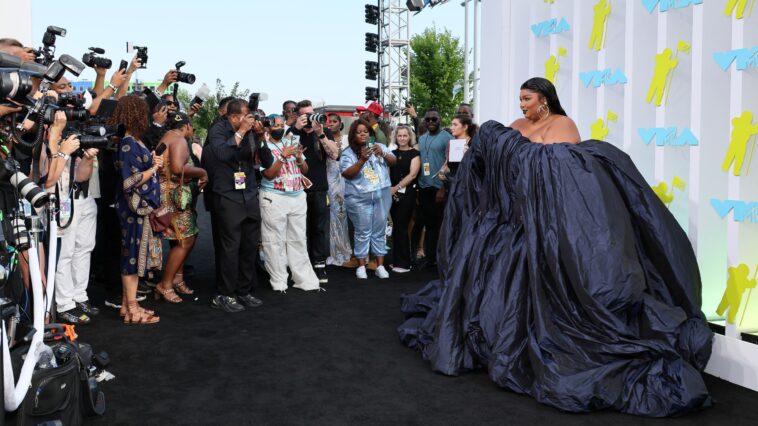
(234, 204)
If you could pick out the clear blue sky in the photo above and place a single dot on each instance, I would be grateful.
(289, 49)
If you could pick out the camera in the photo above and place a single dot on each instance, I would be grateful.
(201, 95)
(315, 117)
(46, 53)
(20, 234)
(141, 53)
(92, 60)
(10, 171)
(183, 77)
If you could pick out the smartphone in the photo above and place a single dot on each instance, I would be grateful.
(123, 65)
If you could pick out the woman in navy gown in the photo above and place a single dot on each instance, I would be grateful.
(563, 274)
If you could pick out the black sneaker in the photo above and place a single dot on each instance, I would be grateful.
(143, 287)
(87, 308)
(250, 301)
(73, 316)
(226, 303)
(320, 270)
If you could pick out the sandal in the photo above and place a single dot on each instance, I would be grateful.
(136, 315)
(169, 295)
(181, 287)
(122, 312)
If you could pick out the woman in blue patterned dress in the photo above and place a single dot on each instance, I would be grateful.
(137, 196)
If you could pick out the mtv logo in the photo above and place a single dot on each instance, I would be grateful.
(665, 5)
(744, 211)
(551, 26)
(667, 136)
(745, 57)
(600, 77)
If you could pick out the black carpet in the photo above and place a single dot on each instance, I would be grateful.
(315, 358)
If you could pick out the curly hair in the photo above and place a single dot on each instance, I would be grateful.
(132, 112)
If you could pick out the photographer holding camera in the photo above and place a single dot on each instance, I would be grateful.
(236, 212)
(68, 170)
(316, 140)
(283, 210)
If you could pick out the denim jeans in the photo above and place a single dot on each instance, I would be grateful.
(368, 212)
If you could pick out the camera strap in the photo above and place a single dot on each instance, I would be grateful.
(71, 195)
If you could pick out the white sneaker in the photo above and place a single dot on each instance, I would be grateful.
(361, 273)
(399, 270)
(381, 272)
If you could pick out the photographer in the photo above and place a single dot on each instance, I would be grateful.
(67, 177)
(283, 210)
(315, 140)
(236, 212)
(289, 112)
(15, 48)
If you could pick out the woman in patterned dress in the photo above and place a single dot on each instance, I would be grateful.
(137, 197)
(178, 177)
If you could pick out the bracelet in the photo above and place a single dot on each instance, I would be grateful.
(238, 135)
(112, 87)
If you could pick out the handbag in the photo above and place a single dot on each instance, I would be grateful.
(181, 195)
(160, 218)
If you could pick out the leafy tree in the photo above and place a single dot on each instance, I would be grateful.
(203, 119)
(437, 69)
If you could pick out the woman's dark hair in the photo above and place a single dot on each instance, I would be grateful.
(545, 88)
(352, 135)
(342, 125)
(132, 112)
(465, 120)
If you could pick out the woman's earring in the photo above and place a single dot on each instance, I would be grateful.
(544, 111)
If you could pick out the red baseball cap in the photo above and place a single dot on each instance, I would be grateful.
(372, 107)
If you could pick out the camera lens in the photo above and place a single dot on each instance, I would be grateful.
(14, 85)
(35, 195)
(20, 235)
(75, 114)
(317, 118)
(186, 78)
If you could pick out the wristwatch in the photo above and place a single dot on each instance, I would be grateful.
(322, 136)
(61, 155)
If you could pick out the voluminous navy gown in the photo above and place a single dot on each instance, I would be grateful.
(565, 277)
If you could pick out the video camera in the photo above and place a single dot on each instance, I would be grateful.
(92, 60)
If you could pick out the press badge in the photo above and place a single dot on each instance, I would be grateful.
(65, 210)
(427, 169)
(239, 180)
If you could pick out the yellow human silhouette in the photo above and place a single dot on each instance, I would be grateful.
(597, 37)
(551, 68)
(598, 130)
(662, 191)
(736, 285)
(740, 5)
(664, 64)
(742, 130)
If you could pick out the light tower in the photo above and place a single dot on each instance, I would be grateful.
(394, 54)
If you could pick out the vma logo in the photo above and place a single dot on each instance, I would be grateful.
(551, 26)
(600, 77)
(744, 58)
(665, 5)
(668, 136)
(744, 211)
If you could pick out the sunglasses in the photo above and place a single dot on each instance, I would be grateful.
(431, 119)
(170, 103)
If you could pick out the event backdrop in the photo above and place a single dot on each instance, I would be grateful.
(674, 83)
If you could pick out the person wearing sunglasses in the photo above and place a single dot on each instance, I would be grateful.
(172, 105)
(433, 151)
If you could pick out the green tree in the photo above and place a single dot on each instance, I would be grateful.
(436, 69)
(203, 119)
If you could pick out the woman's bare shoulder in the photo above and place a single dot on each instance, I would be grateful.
(519, 123)
(563, 129)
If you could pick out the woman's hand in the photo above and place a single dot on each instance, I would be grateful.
(70, 145)
(377, 150)
(59, 122)
(157, 161)
(203, 180)
(393, 190)
(90, 154)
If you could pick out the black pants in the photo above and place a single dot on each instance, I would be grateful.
(317, 230)
(402, 211)
(107, 254)
(431, 213)
(237, 228)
